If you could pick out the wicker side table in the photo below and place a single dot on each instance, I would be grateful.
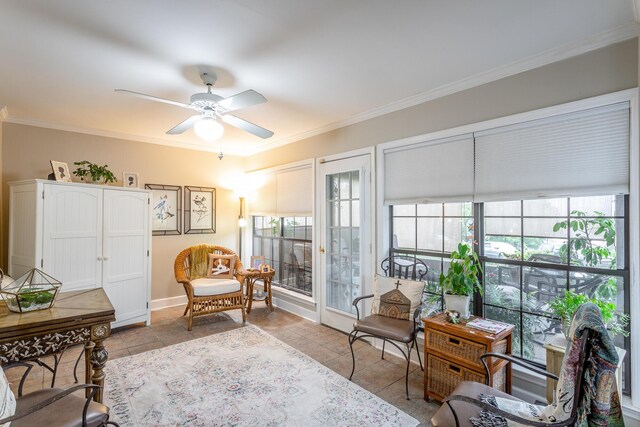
(250, 279)
(452, 355)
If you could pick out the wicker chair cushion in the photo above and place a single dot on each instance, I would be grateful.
(206, 286)
(393, 300)
(7, 399)
(221, 266)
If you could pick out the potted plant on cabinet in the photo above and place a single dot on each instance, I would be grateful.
(461, 280)
(90, 172)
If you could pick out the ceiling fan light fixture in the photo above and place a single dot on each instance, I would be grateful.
(208, 129)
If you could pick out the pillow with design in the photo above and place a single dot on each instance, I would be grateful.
(221, 266)
(396, 298)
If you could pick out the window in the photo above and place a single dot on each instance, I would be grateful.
(285, 243)
(531, 251)
(430, 232)
(534, 250)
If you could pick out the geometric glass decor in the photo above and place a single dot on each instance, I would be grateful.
(34, 290)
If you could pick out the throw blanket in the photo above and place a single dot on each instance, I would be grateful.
(600, 405)
(199, 261)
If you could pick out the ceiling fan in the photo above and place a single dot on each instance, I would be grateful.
(210, 108)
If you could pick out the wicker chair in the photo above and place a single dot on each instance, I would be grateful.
(209, 299)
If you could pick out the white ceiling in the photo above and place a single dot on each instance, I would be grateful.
(321, 64)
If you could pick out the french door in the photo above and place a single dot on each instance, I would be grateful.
(345, 238)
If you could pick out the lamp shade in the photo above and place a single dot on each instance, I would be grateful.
(208, 129)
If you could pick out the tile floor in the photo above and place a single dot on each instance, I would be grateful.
(385, 378)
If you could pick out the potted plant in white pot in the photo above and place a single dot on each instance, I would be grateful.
(461, 280)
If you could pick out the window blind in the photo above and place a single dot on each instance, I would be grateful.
(581, 153)
(429, 172)
(287, 192)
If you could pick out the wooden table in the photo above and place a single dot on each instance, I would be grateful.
(76, 317)
(452, 355)
(250, 279)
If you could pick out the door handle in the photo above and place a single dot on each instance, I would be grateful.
(99, 258)
(105, 258)
(321, 249)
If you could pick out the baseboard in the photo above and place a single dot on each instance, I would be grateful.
(159, 304)
(295, 308)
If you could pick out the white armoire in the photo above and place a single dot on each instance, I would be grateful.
(87, 236)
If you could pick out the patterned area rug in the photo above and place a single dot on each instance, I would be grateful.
(243, 377)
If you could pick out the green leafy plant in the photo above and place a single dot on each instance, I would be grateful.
(97, 173)
(462, 277)
(586, 230)
(565, 306)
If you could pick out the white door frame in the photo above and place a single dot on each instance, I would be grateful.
(368, 228)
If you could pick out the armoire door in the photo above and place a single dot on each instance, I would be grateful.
(125, 245)
(72, 236)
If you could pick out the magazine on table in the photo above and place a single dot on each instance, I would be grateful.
(487, 325)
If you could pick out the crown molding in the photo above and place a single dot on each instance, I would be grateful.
(597, 41)
(3, 113)
(122, 135)
(636, 10)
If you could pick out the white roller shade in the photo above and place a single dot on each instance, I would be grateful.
(295, 192)
(263, 203)
(286, 192)
(581, 153)
(434, 171)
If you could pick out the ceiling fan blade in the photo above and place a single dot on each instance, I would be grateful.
(247, 126)
(155, 98)
(184, 125)
(243, 99)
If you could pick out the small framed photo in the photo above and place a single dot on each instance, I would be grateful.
(200, 205)
(256, 262)
(60, 171)
(166, 209)
(130, 179)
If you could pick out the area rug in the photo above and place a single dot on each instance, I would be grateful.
(243, 377)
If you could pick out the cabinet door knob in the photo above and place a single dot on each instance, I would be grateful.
(105, 258)
(99, 258)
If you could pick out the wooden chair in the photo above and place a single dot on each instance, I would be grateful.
(57, 407)
(463, 403)
(207, 296)
(389, 329)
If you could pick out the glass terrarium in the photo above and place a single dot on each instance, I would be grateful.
(34, 290)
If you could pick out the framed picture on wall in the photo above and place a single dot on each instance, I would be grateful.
(200, 214)
(166, 209)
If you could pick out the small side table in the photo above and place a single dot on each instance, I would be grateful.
(250, 278)
(452, 355)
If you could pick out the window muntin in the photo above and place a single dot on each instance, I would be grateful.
(285, 243)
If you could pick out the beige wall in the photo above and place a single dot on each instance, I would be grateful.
(602, 71)
(27, 151)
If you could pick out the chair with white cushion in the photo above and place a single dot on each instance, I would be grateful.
(208, 295)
